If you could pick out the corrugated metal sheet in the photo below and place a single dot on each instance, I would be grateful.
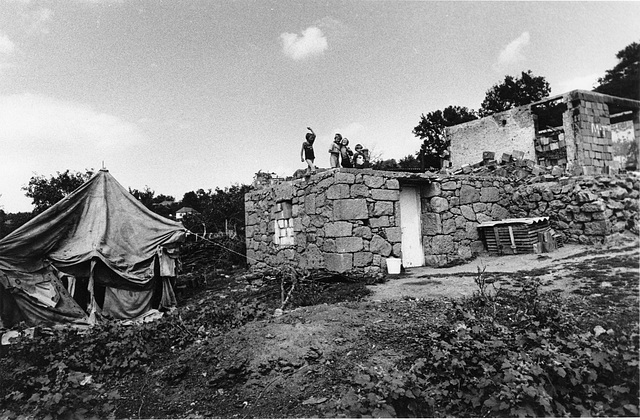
(523, 220)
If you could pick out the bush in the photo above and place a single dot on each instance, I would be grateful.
(512, 353)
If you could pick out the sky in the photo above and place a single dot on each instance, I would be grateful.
(178, 96)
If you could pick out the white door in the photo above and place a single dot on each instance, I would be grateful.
(412, 252)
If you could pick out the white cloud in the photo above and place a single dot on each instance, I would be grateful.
(579, 82)
(312, 42)
(43, 135)
(7, 47)
(39, 119)
(37, 21)
(513, 52)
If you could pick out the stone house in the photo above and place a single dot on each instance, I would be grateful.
(352, 220)
(572, 131)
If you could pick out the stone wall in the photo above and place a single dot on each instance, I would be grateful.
(452, 208)
(344, 220)
(348, 220)
(582, 209)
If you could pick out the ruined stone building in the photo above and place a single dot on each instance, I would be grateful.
(572, 130)
(352, 220)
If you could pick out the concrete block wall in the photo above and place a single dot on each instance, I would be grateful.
(591, 130)
(502, 132)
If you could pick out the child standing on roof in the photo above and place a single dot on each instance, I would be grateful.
(307, 151)
(335, 151)
(345, 154)
(359, 157)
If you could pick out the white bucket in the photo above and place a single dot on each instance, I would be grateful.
(393, 265)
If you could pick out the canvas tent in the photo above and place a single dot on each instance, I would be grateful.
(97, 251)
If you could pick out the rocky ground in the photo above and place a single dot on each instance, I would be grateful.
(296, 364)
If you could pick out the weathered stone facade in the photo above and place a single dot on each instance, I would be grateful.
(348, 220)
(582, 209)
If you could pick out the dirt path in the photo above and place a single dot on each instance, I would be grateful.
(552, 269)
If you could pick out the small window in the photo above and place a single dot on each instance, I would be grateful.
(283, 232)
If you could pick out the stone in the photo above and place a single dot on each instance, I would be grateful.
(600, 227)
(350, 209)
(477, 247)
(283, 192)
(372, 181)
(464, 252)
(449, 186)
(488, 195)
(349, 244)
(379, 245)
(382, 208)
(448, 226)
(378, 222)
(362, 232)
(439, 204)
(386, 195)
(443, 244)
(471, 231)
(359, 190)
(479, 207)
(339, 263)
(431, 224)
(335, 229)
(345, 178)
(362, 259)
(338, 191)
(394, 234)
(431, 190)
(595, 206)
(481, 217)
(499, 213)
(310, 204)
(392, 184)
(468, 213)
(469, 194)
(585, 196)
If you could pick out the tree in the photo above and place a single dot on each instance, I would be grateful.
(514, 92)
(145, 196)
(431, 130)
(624, 79)
(45, 192)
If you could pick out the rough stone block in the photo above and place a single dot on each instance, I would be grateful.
(394, 234)
(373, 181)
(488, 195)
(449, 185)
(336, 229)
(439, 204)
(386, 195)
(593, 207)
(362, 259)
(378, 222)
(338, 191)
(362, 232)
(349, 244)
(444, 244)
(469, 194)
(435, 260)
(431, 224)
(471, 231)
(338, 263)
(350, 209)
(448, 226)
(382, 208)
(310, 204)
(380, 246)
(345, 178)
(283, 192)
(431, 190)
(392, 184)
(601, 227)
(477, 247)
(359, 190)
(468, 213)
